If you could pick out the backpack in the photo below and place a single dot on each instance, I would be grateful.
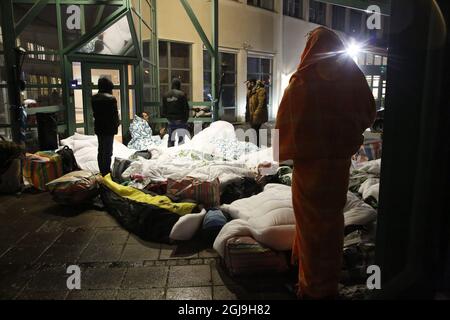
(69, 162)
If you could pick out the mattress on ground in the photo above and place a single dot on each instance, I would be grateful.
(269, 218)
(245, 256)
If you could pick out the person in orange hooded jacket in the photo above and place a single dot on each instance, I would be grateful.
(321, 120)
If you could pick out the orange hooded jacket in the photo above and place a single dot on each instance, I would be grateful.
(321, 119)
(328, 104)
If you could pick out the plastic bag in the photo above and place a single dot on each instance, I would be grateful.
(206, 193)
(75, 188)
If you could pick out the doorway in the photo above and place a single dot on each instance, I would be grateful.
(85, 77)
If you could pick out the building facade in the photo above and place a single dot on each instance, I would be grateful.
(260, 39)
(67, 46)
(142, 44)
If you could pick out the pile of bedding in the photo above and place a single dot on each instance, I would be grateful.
(141, 194)
(365, 181)
(142, 136)
(85, 151)
(269, 218)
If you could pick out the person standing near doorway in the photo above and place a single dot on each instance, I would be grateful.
(257, 106)
(106, 123)
(321, 120)
(175, 108)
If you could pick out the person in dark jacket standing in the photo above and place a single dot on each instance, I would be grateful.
(106, 123)
(175, 108)
(257, 107)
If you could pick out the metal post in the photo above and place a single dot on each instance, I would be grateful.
(9, 42)
(215, 59)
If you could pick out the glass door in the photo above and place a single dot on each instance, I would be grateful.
(85, 76)
(92, 73)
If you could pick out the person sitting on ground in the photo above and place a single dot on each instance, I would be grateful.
(146, 117)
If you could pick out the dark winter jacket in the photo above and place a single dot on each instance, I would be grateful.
(106, 115)
(257, 106)
(175, 106)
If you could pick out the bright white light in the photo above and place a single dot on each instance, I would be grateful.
(353, 50)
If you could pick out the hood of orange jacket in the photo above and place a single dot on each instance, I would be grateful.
(328, 104)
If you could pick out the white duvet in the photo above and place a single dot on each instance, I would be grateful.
(85, 151)
(371, 187)
(214, 152)
(269, 218)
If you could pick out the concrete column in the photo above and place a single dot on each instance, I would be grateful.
(241, 88)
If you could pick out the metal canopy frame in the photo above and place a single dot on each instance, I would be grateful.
(67, 51)
(212, 47)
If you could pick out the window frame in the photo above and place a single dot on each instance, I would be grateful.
(289, 4)
(335, 11)
(259, 4)
(270, 87)
(170, 69)
(235, 85)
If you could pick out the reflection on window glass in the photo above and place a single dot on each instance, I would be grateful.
(376, 81)
(76, 72)
(44, 97)
(131, 103)
(356, 18)
(369, 59)
(6, 133)
(1, 35)
(42, 69)
(42, 32)
(78, 98)
(130, 69)
(111, 74)
(163, 54)
(20, 10)
(293, 8)
(2, 70)
(375, 93)
(116, 40)
(317, 12)
(338, 18)
(147, 73)
(73, 29)
(378, 60)
(146, 43)
(180, 55)
(4, 110)
(265, 4)
(229, 86)
(175, 62)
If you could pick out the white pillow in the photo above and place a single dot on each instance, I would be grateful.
(187, 226)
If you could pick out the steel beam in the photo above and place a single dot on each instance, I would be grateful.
(215, 59)
(30, 16)
(197, 25)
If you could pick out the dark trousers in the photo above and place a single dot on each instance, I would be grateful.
(173, 127)
(105, 151)
(257, 127)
